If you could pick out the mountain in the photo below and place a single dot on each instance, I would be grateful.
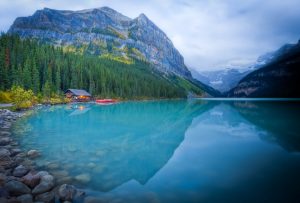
(221, 80)
(105, 32)
(46, 70)
(278, 78)
(226, 79)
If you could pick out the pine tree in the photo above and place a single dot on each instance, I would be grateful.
(35, 79)
(58, 80)
(27, 81)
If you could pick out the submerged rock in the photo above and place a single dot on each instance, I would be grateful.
(93, 200)
(53, 166)
(2, 179)
(66, 192)
(20, 171)
(4, 152)
(33, 153)
(91, 165)
(27, 198)
(5, 160)
(64, 180)
(47, 197)
(16, 188)
(45, 185)
(31, 179)
(15, 151)
(5, 133)
(4, 141)
(60, 174)
(83, 178)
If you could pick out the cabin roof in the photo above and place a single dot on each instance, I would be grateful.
(79, 92)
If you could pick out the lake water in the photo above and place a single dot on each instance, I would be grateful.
(171, 151)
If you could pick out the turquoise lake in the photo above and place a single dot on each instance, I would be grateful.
(171, 151)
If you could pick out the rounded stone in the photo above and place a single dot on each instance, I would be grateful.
(20, 171)
(66, 192)
(27, 198)
(83, 178)
(33, 153)
(15, 151)
(4, 141)
(31, 179)
(45, 185)
(47, 197)
(4, 152)
(16, 188)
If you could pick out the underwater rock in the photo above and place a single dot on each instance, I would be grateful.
(45, 185)
(4, 152)
(5, 160)
(5, 133)
(15, 151)
(31, 179)
(53, 166)
(83, 178)
(64, 180)
(60, 174)
(27, 198)
(33, 153)
(20, 171)
(4, 141)
(93, 200)
(16, 188)
(91, 165)
(47, 197)
(66, 192)
(2, 179)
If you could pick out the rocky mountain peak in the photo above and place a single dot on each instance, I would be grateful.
(104, 31)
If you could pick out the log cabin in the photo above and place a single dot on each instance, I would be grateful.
(78, 95)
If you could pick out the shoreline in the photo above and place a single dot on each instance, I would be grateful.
(19, 179)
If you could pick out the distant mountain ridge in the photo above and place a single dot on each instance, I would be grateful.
(278, 78)
(226, 79)
(221, 80)
(103, 31)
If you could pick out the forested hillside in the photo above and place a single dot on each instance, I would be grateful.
(41, 67)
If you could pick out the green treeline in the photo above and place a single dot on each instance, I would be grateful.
(46, 69)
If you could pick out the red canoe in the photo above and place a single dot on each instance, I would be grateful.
(105, 101)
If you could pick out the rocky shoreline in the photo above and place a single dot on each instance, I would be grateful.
(20, 182)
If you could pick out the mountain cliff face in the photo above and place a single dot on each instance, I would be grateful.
(278, 78)
(104, 32)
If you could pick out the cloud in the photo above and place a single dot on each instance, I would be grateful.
(209, 34)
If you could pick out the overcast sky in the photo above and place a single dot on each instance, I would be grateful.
(210, 34)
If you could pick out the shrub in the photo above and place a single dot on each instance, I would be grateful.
(5, 97)
(21, 98)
